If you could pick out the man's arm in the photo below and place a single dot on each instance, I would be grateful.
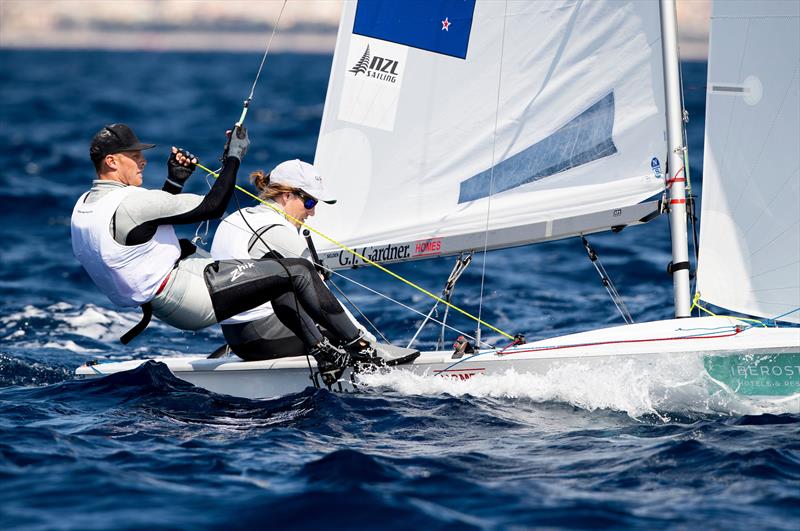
(139, 215)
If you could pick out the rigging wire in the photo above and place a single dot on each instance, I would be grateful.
(616, 298)
(371, 290)
(239, 123)
(462, 262)
(366, 260)
(491, 178)
(354, 305)
(409, 308)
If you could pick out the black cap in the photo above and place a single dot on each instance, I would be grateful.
(115, 138)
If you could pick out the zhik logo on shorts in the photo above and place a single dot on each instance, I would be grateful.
(239, 271)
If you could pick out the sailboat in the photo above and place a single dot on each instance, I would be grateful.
(454, 127)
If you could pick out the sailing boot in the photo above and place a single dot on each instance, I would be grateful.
(362, 354)
(393, 355)
(331, 361)
(374, 355)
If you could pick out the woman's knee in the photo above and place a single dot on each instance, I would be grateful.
(301, 269)
(299, 265)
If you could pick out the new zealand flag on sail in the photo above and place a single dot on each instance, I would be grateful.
(440, 26)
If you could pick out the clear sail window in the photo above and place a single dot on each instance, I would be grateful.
(585, 138)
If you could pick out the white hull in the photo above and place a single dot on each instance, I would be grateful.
(748, 361)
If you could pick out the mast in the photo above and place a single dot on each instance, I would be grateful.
(676, 177)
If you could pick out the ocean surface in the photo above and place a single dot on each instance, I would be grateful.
(619, 447)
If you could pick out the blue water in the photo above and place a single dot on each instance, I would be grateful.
(620, 447)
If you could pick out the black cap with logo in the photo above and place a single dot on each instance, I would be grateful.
(115, 138)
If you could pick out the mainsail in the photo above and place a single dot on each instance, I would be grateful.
(454, 124)
(750, 223)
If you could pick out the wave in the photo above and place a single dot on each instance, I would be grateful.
(152, 390)
(15, 371)
(90, 321)
(664, 388)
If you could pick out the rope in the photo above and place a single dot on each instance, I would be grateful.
(260, 67)
(409, 308)
(364, 258)
(733, 332)
(695, 304)
(790, 312)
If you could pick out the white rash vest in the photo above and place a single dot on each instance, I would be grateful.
(234, 239)
(129, 275)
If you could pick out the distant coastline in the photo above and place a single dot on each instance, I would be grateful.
(162, 25)
(301, 41)
(211, 25)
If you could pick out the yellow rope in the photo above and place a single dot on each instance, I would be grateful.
(364, 258)
(695, 304)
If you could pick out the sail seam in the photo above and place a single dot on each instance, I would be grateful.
(766, 137)
(729, 128)
(777, 195)
(788, 264)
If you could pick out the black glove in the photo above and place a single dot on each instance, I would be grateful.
(237, 145)
(177, 173)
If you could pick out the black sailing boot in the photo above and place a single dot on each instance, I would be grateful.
(363, 354)
(331, 361)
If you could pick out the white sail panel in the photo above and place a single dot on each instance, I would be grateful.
(750, 223)
(456, 117)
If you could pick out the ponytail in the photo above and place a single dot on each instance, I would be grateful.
(267, 189)
(260, 180)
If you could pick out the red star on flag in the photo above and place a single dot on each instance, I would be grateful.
(446, 24)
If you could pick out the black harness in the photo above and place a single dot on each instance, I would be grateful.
(187, 250)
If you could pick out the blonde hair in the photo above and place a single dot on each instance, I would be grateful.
(266, 189)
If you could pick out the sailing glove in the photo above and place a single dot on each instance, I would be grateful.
(238, 142)
(177, 172)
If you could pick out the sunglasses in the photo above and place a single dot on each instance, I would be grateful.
(308, 201)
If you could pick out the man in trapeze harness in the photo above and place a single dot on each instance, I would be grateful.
(123, 236)
(290, 195)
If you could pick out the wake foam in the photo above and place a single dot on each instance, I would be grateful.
(649, 387)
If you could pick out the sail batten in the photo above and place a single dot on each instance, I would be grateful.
(516, 128)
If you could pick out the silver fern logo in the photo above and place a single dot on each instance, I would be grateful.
(376, 67)
(361, 66)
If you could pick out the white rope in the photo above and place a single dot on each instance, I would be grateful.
(269, 45)
(261, 66)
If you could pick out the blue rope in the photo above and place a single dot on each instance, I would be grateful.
(774, 319)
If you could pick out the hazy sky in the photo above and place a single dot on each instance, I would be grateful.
(306, 25)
